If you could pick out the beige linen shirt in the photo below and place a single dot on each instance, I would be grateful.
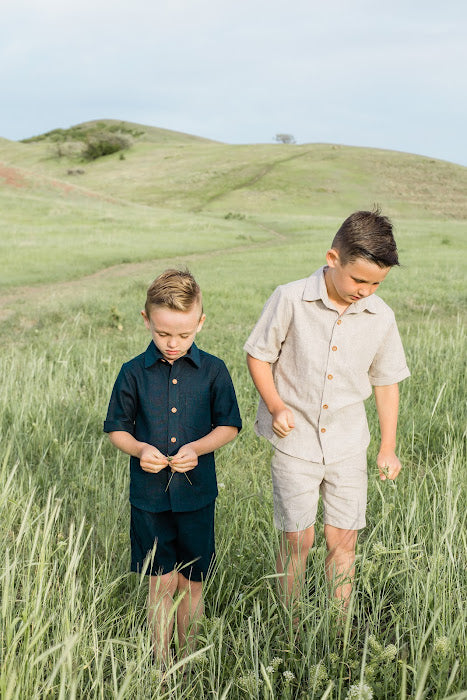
(324, 365)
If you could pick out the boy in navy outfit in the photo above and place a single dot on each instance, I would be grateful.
(170, 408)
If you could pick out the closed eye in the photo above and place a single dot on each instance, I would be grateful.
(374, 284)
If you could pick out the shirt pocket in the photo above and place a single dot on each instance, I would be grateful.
(197, 413)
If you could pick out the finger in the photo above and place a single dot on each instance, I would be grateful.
(282, 433)
(159, 458)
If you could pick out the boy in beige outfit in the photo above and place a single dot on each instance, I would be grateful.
(319, 347)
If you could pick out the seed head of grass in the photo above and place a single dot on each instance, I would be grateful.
(441, 647)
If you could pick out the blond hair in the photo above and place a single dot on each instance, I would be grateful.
(174, 289)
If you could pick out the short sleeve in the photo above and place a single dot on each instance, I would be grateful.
(389, 365)
(122, 406)
(266, 338)
(224, 406)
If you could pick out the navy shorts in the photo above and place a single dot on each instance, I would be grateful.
(183, 541)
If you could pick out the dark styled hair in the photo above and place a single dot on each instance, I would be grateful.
(174, 289)
(367, 234)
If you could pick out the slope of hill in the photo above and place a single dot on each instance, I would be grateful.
(174, 170)
(173, 193)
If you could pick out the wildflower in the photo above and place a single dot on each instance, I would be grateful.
(359, 691)
(250, 682)
(288, 676)
(374, 645)
(442, 647)
(379, 549)
(221, 485)
(390, 652)
(276, 662)
(270, 669)
(318, 674)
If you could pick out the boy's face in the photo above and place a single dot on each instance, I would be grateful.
(352, 281)
(173, 332)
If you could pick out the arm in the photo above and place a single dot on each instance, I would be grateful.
(151, 460)
(282, 417)
(187, 456)
(387, 405)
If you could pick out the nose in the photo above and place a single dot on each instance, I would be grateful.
(171, 343)
(364, 292)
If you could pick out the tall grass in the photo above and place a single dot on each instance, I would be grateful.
(73, 618)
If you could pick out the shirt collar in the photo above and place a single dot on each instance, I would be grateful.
(153, 354)
(315, 288)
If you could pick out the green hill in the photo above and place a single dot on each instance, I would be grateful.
(170, 169)
(170, 194)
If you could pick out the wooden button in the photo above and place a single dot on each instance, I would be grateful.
(323, 430)
(325, 405)
(334, 348)
(329, 376)
(174, 381)
(174, 410)
(173, 439)
(339, 322)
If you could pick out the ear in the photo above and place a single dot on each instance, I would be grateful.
(201, 323)
(332, 257)
(146, 319)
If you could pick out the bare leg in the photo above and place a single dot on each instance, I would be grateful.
(189, 611)
(291, 561)
(340, 562)
(161, 593)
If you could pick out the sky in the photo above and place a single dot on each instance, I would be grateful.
(355, 72)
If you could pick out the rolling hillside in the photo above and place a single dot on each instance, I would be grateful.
(172, 194)
(178, 171)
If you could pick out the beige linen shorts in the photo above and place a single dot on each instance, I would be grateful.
(297, 483)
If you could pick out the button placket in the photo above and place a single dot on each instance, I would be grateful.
(172, 408)
(328, 384)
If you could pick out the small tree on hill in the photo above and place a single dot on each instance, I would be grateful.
(104, 143)
(284, 138)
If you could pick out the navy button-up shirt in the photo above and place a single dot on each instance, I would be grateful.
(169, 405)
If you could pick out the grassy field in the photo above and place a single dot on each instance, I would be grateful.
(78, 254)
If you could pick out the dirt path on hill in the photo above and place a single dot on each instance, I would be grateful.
(42, 293)
(251, 181)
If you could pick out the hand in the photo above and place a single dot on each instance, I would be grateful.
(185, 459)
(283, 422)
(388, 464)
(151, 460)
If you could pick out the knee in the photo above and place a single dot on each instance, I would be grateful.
(341, 543)
(165, 584)
(193, 588)
(299, 542)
